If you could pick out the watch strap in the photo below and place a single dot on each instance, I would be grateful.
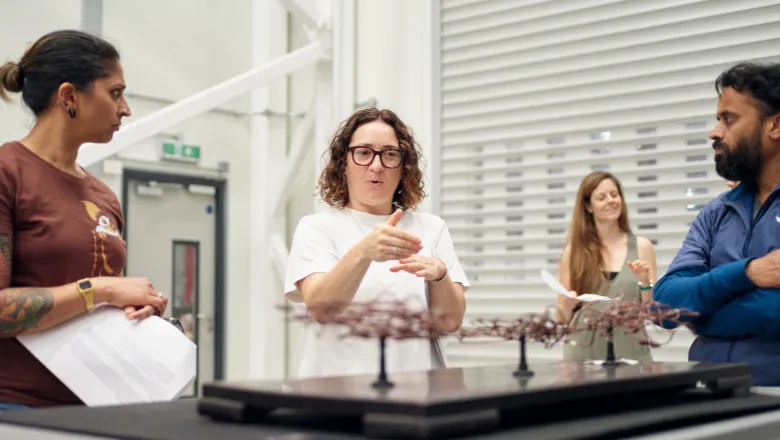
(87, 291)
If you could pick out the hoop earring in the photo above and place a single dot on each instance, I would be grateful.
(71, 112)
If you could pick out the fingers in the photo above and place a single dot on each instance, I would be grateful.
(425, 273)
(403, 249)
(142, 313)
(408, 267)
(161, 311)
(638, 264)
(400, 234)
(396, 217)
(390, 253)
(156, 300)
(420, 266)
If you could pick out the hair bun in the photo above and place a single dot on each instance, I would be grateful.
(20, 74)
(11, 78)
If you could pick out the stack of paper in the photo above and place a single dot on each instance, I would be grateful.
(558, 288)
(106, 359)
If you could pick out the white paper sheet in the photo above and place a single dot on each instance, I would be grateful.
(601, 362)
(559, 289)
(106, 359)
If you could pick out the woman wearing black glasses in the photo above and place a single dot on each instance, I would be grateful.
(371, 244)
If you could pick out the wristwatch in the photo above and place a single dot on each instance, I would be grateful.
(88, 292)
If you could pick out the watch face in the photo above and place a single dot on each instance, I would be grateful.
(84, 285)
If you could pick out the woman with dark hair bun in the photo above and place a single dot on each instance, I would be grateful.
(371, 244)
(61, 246)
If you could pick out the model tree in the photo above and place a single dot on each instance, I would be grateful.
(380, 319)
(529, 327)
(384, 319)
(630, 317)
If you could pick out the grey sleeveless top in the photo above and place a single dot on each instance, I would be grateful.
(592, 346)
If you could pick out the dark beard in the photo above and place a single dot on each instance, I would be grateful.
(740, 164)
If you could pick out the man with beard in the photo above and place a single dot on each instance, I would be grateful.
(728, 269)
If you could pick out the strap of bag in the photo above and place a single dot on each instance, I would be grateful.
(438, 360)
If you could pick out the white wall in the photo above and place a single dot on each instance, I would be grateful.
(20, 26)
(300, 92)
(393, 59)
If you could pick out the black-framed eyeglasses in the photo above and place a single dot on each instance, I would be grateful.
(389, 157)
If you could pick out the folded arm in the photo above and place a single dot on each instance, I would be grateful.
(703, 290)
(691, 283)
(756, 313)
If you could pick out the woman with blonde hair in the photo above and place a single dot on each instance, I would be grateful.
(604, 257)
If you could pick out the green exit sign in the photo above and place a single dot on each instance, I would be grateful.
(180, 152)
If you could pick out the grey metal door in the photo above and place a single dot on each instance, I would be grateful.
(171, 241)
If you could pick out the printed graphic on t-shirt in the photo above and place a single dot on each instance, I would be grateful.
(105, 229)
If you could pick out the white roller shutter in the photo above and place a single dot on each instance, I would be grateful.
(533, 95)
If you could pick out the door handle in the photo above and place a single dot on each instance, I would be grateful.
(207, 320)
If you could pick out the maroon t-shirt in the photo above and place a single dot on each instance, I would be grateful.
(63, 228)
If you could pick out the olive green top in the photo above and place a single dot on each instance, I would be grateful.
(591, 345)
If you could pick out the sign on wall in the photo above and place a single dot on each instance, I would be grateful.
(180, 152)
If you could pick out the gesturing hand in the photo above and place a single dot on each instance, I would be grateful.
(642, 271)
(387, 242)
(430, 268)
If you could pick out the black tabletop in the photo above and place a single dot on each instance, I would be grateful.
(180, 420)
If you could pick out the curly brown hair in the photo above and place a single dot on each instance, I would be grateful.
(333, 180)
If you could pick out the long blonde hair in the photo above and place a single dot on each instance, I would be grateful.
(586, 262)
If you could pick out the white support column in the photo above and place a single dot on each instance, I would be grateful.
(92, 16)
(265, 349)
(343, 15)
(335, 80)
(299, 148)
(325, 123)
(303, 11)
(92, 22)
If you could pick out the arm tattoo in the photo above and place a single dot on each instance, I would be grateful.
(6, 258)
(20, 309)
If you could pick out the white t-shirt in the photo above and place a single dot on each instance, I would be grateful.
(319, 242)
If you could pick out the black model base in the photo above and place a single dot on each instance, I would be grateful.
(457, 401)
